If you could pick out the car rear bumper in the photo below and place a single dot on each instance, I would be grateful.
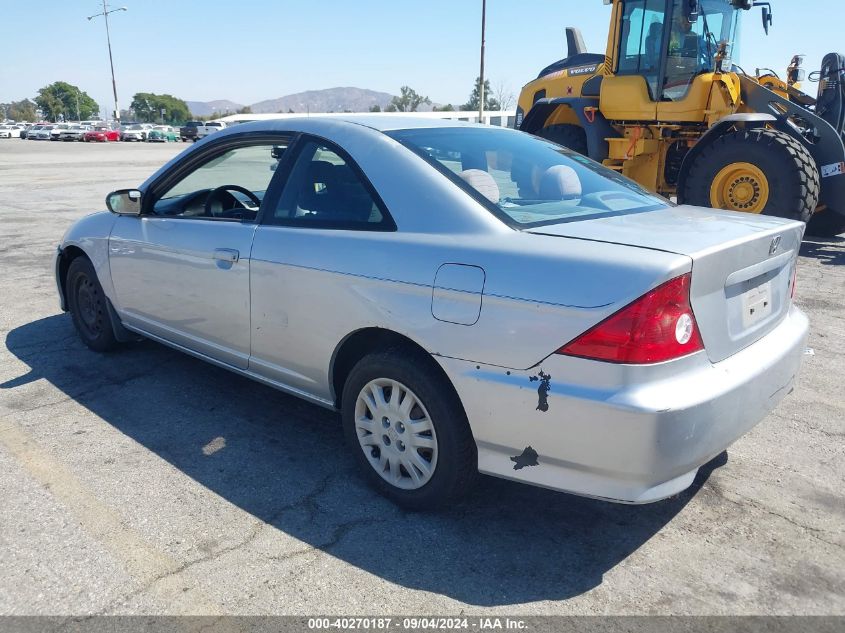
(632, 434)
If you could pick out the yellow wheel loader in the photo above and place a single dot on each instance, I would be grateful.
(667, 107)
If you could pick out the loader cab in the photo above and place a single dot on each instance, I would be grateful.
(670, 43)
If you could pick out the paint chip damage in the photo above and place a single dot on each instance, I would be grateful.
(527, 458)
(542, 390)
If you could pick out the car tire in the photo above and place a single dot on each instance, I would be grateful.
(424, 469)
(827, 223)
(755, 171)
(570, 136)
(89, 307)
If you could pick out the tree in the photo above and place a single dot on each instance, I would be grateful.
(504, 96)
(391, 108)
(490, 102)
(408, 100)
(447, 108)
(61, 99)
(375, 108)
(244, 110)
(20, 110)
(148, 107)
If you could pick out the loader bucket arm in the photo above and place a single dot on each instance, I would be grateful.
(827, 148)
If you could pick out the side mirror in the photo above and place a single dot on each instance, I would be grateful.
(797, 76)
(692, 11)
(124, 202)
(767, 19)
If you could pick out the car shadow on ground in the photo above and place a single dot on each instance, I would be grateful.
(830, 251)
(285, 462)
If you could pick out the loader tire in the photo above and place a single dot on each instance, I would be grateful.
(755, 171)
(827, 223)
(570, 136)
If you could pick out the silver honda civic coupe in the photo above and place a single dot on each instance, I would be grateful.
(471, 299)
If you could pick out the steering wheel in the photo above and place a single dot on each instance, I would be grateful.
(215, 193)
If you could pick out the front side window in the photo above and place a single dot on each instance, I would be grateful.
(229, 186)
(641, 44)
(694, 41)
(525, 180)
(325, 190)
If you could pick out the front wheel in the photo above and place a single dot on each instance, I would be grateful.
(408, 431)
(88, 306)
(755, 171)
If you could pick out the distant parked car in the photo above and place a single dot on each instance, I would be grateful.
(162, 134)
(188, 132)
(101, 134)
(57, 130)
(44, 133)
(136, 132)
(9, 131)
(209, 128)
(74, 133)
(470, 298)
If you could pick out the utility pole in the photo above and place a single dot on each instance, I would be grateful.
(105, 15)
(481, 74)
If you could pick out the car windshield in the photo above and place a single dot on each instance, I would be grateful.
(527, 181)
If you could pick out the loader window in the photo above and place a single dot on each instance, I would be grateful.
(693, 45)
(641, 44)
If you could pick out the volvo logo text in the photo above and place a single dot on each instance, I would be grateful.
(774, 246)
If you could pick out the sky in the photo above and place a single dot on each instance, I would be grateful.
(251, 50)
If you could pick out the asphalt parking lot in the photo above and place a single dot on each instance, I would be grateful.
(148, 482)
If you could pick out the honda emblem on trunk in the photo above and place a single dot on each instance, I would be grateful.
(774, 246)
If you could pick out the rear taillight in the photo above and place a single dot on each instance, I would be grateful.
(657, 327)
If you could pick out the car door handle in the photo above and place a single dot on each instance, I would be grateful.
(226, 254)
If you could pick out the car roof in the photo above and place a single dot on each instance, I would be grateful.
(379, 122)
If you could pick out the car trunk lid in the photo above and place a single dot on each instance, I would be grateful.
(741, 265)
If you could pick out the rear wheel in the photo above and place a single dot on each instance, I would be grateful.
(827, 223)
(570, 136)
(755, 171)
(407, 429)
(88, 306)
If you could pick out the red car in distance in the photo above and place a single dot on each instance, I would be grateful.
(101, 134)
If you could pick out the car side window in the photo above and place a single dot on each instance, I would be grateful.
(229, 186)
(326, 190)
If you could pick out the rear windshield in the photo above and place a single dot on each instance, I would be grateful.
(527, 181)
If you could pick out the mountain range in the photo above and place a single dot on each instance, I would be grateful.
(327, 100)
(205, 108)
